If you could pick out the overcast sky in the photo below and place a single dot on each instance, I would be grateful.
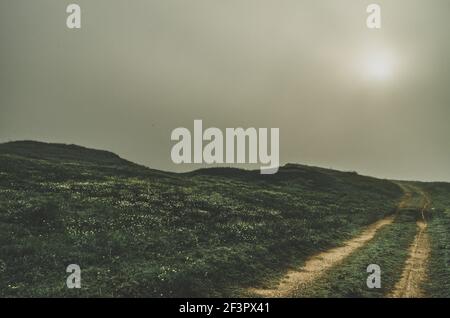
(343, 96)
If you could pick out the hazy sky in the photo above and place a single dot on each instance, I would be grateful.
(343, 96)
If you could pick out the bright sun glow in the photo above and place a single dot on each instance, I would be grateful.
(378, 66)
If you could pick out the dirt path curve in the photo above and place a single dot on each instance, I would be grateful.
(317, 265)
(415, 270)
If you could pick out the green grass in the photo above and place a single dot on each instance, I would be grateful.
(439, 230)
(145, 233)
(388, 249)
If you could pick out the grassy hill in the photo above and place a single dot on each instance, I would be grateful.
(140, 232)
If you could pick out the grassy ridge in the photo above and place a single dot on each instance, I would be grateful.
(141, 232)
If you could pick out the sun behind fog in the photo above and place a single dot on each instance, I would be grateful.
(378, 66)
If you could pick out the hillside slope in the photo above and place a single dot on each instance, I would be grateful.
(140, 232)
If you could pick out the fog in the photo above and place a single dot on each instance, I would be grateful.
(344, 96)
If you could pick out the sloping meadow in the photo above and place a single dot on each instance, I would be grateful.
(145, 233)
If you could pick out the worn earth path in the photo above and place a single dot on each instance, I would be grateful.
(415, 270)
(315, 266)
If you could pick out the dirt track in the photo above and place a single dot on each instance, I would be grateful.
(320, 263)
(413, 274)
(415, 270)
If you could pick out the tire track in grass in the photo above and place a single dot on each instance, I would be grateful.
(415, 270)
(317, 265)
(388, 249)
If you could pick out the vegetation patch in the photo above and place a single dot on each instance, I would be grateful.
(388, 249)
(140, 232)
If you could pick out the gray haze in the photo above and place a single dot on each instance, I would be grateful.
(138, 69)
